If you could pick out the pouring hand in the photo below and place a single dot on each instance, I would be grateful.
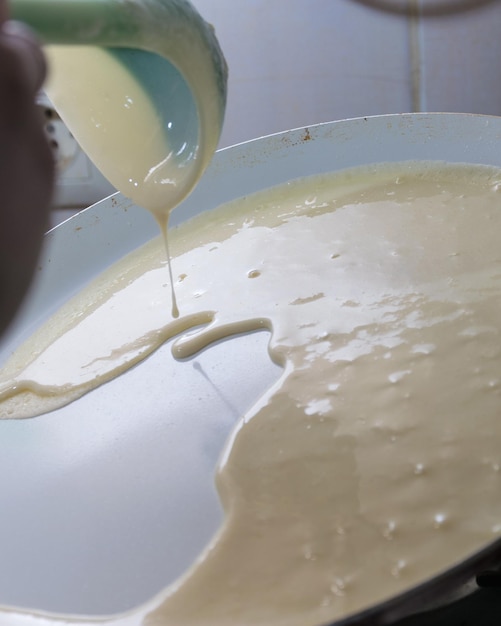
(26, 164)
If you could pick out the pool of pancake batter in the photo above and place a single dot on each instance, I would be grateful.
(357, 474)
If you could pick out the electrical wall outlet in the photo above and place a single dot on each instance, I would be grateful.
(78, 183)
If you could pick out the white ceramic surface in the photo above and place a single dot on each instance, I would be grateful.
(107, 500)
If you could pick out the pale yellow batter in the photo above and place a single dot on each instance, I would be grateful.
(136, 140)
(357, 475)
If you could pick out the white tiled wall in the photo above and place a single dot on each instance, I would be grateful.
(297, 62)
(461, 58)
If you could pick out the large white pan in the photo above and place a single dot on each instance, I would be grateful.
(106, 501)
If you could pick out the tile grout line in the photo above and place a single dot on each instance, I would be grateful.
(418, 97)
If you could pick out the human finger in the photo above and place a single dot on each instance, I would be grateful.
(3, 11)
(24, 44)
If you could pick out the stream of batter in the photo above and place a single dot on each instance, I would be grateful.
(357, 474)
(138, 142)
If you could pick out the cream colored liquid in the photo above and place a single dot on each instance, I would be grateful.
(118, 125)
(111, 113)
(121, 130)
(357, 475)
